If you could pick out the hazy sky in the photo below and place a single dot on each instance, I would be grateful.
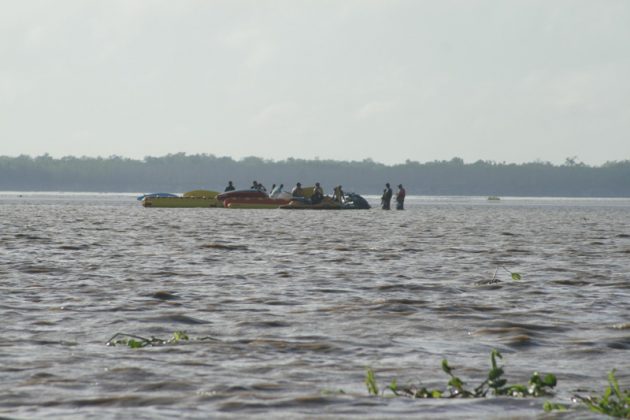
(504, 80)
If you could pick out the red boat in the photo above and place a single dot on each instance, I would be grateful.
(242, 194)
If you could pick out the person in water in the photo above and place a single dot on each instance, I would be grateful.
(230, 187)
(297, 191)
(318, 194)
(400, 198)
(386, 198)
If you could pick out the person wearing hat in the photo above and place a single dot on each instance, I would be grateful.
(297, 191)
(400, 197)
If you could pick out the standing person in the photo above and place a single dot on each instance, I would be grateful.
(338, 194)
(297, 191)
(386, 198)
(400, 198)
(230, 187)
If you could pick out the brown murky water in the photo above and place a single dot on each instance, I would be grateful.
(285, 309)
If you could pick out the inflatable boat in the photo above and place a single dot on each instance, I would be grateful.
(196, 198)
(350, 201)
(242, 194)
(254, 203)
(156, 195)
(327, 203)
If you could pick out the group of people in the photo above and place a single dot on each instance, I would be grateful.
(255, 186)
(318, 193)
(386, 198)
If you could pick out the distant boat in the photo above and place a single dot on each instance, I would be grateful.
(155, 195)
(352, 201)
(493, 198)
(197, 198)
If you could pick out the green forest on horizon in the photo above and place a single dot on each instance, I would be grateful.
(181, 172)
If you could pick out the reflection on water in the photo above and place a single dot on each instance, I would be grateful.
(287, 308)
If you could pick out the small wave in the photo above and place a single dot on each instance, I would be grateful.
(515, 337)
(619, 344)
(164, 295)
(30, 237)
(571, 282)
(73, 247)
(38, 269)
(264, 324)
(224, 247)
(520, 341)
(342, 248)
(517, 251)
(293, 346)
(180, 319)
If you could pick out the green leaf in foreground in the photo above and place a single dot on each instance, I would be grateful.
(551, 406)
(495, 381)
(515, 276)
(370, 382)
(613, 403)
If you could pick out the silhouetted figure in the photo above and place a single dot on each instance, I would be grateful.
(386, 198)
(258, 186)
(338, 194)
(318, 194)
(297, 191)
(400, 198)
(230, 187)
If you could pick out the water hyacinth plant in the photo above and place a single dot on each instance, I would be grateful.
(515, 276)
(136, 341)
(495, 383)
(614, 402)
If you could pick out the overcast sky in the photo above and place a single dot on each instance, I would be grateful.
(503, 80)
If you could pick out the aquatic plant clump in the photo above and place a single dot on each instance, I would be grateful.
(495, 383)
(614, 402)
(136, 341)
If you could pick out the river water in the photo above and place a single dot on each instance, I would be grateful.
(285, 309)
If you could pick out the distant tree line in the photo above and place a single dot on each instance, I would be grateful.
(180, 172)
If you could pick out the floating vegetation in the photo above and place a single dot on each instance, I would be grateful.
(494, 383)
(614, 402)
(494, 279)
(515, 276)
(136, 341)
